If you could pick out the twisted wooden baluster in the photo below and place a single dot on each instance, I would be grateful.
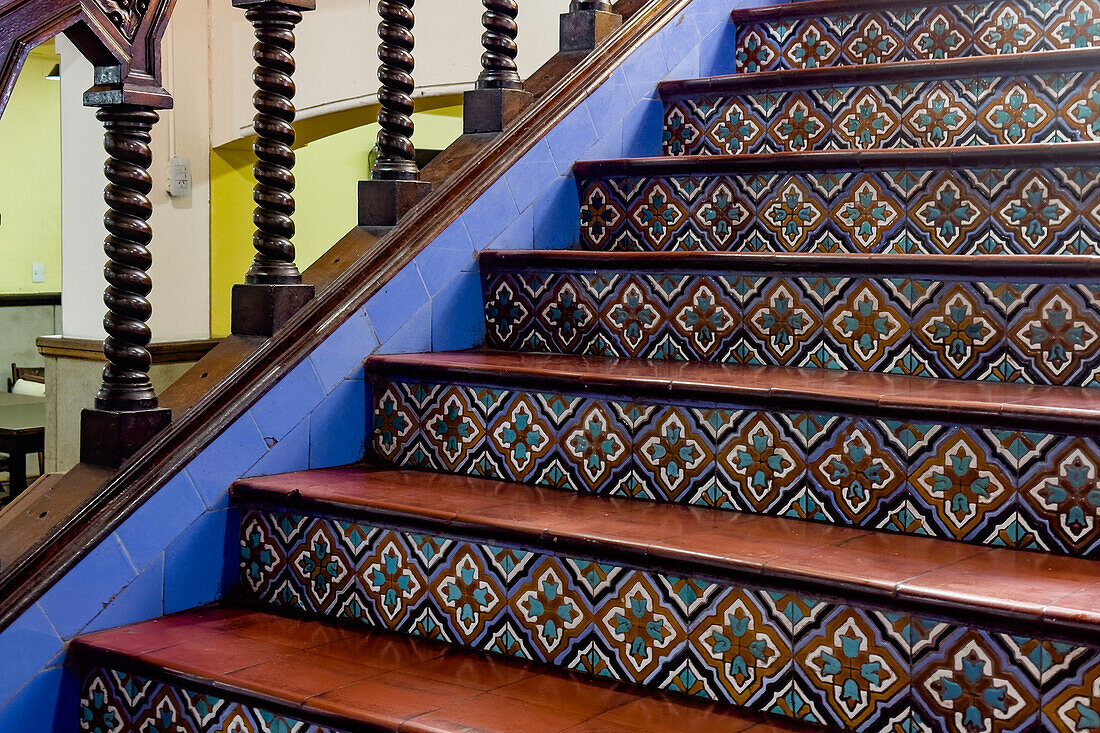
(396, 154)
(126, 385)
(498, 63)
(274, 125)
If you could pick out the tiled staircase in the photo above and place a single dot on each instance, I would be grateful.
(805, 429)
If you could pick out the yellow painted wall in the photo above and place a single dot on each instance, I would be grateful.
(30, 189)
(327, 171)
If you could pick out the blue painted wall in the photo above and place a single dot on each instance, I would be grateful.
(179, 549)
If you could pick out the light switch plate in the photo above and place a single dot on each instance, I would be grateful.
(38, 272)
(179, 177)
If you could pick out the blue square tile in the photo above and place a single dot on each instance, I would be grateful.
(644, 68)
(175, 506)
(26, 647)
(343, 414)
(342, 353)
(46, 704)
(200, 564)
(225, 460)
(142, 600)
(571, 137)
(520, 232)
(610, 101)
(487, 217)
(291, 453)
(414, 337)
(688, 68)
(85, 590)
(285, 404)
(531, 174)
(677, 38)
(715, 55)
(642, 130)
(609, 146)
(445, 257)
(557, 222)
(390, 307)
(458, 320)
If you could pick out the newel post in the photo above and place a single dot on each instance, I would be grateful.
(586, 24)
(273, 290)
(126, 413)
(395, 185)
(499, 95)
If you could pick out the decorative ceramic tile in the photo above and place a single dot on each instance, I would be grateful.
(1071, 688)
(996, 110)
(920, 211)
(933, 32)
(761, 467)
(1060, 496)
(120, 702)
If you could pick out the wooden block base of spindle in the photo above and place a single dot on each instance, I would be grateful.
(108, 438)
(491, 110)
(582, 30)
(383, 203)
(260, 310)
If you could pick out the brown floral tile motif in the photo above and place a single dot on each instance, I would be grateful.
(1003, 110)
(111, 700)
(760, 464)
(935, 32)
(1060, 496)
(1071, 687)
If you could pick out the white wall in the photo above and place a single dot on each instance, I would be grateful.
(337, 54)
(181, 227)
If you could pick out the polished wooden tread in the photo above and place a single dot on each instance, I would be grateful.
(1036, 62)
(812, 8)
(1079, 269)
(360, 680)
(1047, 594)
(1028, 155)
(1074, 410)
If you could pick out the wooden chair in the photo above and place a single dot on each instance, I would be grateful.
(26, 380)
(30, 374)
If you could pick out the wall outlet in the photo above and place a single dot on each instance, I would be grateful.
(179, 177)
(38, 272)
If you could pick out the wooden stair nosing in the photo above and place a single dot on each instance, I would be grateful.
(1078, 269)
(814, 8)
(1070, 410)
(1027, 155)
(993, 604)
(1035, 62)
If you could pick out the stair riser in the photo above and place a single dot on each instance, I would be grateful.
(916, 211)
(1010, 110)
(688, 635)
(119, 701)
(930, 328)
(907, 34)
(1016, 489)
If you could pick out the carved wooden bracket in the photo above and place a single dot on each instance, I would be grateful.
(122, 39)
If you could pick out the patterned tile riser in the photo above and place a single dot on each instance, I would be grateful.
(984, 486)
(855, 667)
(1030, 333)
(114, 701)
(1009, 110)
(907, 34)
(1027, 211)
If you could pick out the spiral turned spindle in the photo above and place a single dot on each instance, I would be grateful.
(274, 125)
(126, 386)
(396, 154)
(498, 63)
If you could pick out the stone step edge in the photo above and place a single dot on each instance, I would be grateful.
(1077, 269)
(1031, 63)
(990, 404)
(998, 612)
(815, 8)
(1028, 155)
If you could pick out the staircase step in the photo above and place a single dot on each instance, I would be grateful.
(1052, 96)
(830, 33)
(986, 463)
(1003, 199)
(944, 316)
(216, 668)
(746, 610)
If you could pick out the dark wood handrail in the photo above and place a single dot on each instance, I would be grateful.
(123, 42)
(96, 500)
